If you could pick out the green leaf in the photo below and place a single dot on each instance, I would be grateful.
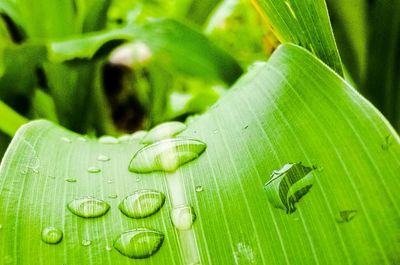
(289, 110)
(188, 50)
(305, 23)
(10, 120)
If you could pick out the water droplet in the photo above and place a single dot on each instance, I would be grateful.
(163, 131)
(106, 139)
(346, 216)
(215, 131)
(94, 169)
(70, 180)
(138, 135)
(137, 179)
(82, 139)
(166, 155)
(52, 235)
(199, 188)
(23, 172)
(245, 127)
(244, 254)
(139, 243)
(86, 242)
(108, 248)
(183, 217)
(88, 207)
(142, 203)
(124, 138)
(110, 181)
(103, 158)
(288, 185)
(66, 139)
(388, 142)
(113, 196)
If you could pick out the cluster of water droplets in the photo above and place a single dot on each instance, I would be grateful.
(161, 152)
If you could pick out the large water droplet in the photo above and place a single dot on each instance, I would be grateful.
(88, 207)
(52, 235)
(86, 242)
(93, 169)
(166, 155)
(288, 185)
(142, 203)
(183, 217)
(139, 243)
(106, 139)
(163, 131)
(138, 135)
(103, 158)
(346, 216)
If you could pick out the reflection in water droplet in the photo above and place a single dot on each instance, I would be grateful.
(103, 158)
(106, 139)
(113, 196)
(163, 131)
(139, 243)
(183, 217)
(52, 235)
(346, 216)
(288, 185)
(166, 155)
(70, 180)
(93, 169)
(142, 203)
(88, 207)
(86, 242)
(199, 188)
(66, 139)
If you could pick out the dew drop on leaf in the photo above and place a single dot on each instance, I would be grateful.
(288, 185)
(88, 207)
(142, 203)
(346, 216)
(66, 139)
(183, 217)
(93, 169)
(103, 158)
(199, 188)
(113, 196)
(139, 243)
(70, 180)
(138, 135)
(86, 242)
(166, 155)
(106, 139)
(52, 235)
(108, 248)
(163, 131)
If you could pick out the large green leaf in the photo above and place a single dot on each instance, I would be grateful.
(291, 109)
(303, 22)
(186, 49)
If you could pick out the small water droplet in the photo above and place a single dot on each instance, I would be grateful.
(93, 169)
(244, 254)
(124, 138)
(103, 158)
(108, 248)
(142, 203)
(88, 207)
(82, 139)
(139, 243)
(52, 235)
(215, 131)
(346, 216)
(106, 139)
(199, 188)
(288, 185)
(70, 180)
(183, 217)
(245, 127)
(137, 179)
(166, 155)
(113, 196)
(110, 181)
(24, 172)
(86, 242)
(163, 131)
(66, 139)
(388, 143)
